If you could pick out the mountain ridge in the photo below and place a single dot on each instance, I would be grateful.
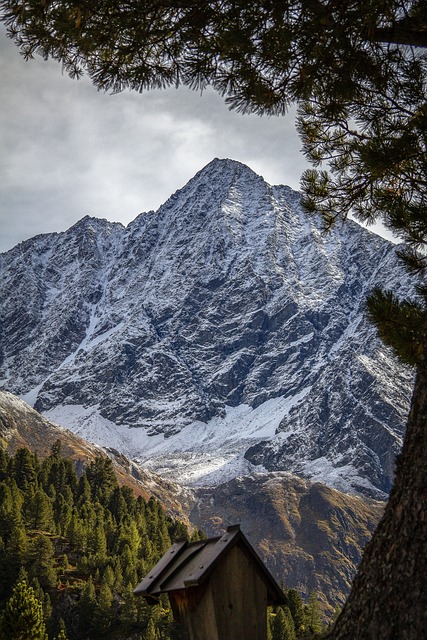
(228, 304)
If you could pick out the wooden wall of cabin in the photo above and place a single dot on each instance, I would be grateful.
(231, 605)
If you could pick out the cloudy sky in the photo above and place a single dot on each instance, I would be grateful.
(69, 150)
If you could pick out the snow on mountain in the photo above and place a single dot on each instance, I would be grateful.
(222, 333)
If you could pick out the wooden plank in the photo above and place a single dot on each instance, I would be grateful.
(148, 585)
(240, 597)
(196, 613)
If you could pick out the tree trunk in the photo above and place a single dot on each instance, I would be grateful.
(388, 600)
(410, 33)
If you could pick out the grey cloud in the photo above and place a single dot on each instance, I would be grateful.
(69, 150)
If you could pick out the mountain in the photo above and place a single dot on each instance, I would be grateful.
(222, 334)
(22, 426)
(310, 536)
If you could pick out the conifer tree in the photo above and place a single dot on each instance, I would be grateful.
(283, 627)
(118, 505)
(62, 635)
(47, 608)
(129, 609)
(41, 596)
(3, 580)
(33, 557)
(313, 614)
(11, 501)
(128, 562)
(76, 532)
(108, 577)
(101, 478)
(4, 460)
(87, 606)
(151, 633)
(23, 577)
(16, 553)
(103, 612)
(118, 576)
(62, 513)
(41, 554)
(38, 510)
(56, 450)
(296, 607)
(83, 490)
(25, 472)
(97, 544)
(270, 619)
(23, 616)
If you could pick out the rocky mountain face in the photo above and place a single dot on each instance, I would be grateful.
(310, 536)
(220, 335)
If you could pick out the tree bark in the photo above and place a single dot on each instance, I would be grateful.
(388, 600)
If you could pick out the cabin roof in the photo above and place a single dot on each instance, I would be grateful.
(189, 564)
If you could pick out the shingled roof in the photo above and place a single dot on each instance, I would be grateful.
(189, 564)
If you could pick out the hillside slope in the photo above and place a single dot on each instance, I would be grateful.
(310, 536)
(22, 426)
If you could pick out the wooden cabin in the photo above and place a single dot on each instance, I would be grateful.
(219, 588)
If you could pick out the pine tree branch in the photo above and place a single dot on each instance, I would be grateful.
(407, 32)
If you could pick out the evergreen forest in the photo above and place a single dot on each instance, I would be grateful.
(73, 549)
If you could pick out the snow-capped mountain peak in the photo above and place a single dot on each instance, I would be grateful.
(222, 332)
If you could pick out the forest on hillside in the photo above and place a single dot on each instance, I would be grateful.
(73, 549)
